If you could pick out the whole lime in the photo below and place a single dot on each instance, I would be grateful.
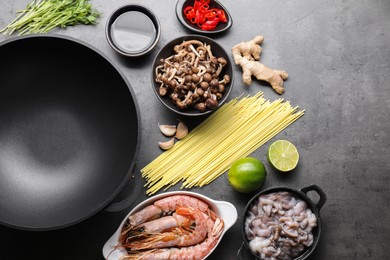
(247, 175)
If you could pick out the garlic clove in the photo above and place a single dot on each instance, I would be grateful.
(167, 145)
(167, 130)
(182, 130)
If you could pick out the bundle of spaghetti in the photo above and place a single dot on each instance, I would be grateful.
(234, 131)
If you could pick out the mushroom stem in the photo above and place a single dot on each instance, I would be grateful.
(208, 48)
(184, 44)
(219, 70)
(194, 51)
(173, 73)
(189, 94)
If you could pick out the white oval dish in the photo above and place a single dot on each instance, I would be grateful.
(223, 209)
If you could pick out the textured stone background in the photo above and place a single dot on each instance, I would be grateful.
(338, 58)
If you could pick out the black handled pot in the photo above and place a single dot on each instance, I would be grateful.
(301, 194)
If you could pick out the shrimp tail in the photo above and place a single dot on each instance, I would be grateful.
(151, 241)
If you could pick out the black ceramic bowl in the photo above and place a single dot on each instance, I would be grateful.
(133, 30)
(301, 194)
(217, 51)
(221, 27)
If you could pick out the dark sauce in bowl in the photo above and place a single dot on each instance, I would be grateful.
(133, 31)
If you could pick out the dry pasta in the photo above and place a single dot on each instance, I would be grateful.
(234, 131)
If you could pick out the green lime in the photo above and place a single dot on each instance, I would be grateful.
(283, 155)
(247, 175)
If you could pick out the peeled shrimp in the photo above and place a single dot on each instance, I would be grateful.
(177, 237)
(196, 252)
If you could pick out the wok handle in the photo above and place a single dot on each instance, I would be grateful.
(240, 251)
(130, 198)
(245, 253)
(319, 191)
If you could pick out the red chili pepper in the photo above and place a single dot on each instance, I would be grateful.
(197, 4)
(210, 15)
(201, 14)
(188, 9)
(207, 28)
(189, 12)
(210, 24)
(222, 16)
(200, 18)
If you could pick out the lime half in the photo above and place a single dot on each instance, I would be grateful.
(283, 155)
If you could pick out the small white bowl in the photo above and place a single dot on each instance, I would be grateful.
(223, 209)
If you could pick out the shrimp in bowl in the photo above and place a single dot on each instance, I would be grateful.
(171, 225)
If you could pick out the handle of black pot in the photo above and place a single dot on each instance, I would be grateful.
(240, 251)
(319, 191)
(129, 199)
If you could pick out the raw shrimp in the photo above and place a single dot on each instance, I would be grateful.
(177, 237)
(161, 207)
(173, 202)
(148, 213)
(166, 223)
(164, 206)
(196, 252)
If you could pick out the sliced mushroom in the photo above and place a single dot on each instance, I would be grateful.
(222, 61)
(173, 73)
(183, 45)
(218, 71)
(211, 103)
(226, 80)
(194, 51)
(200, 106)
(191, 69)
(162, 91)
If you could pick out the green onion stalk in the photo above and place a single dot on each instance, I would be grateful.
(42, 16)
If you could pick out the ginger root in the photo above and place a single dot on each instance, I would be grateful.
(247, 55)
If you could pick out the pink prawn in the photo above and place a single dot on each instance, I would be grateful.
(195, 252)
(177, 237)
(166, 205)
(160, 208)
(166, 223)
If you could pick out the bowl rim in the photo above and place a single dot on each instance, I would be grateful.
(133, 7)
(302, 194)
(216, 205)
(179, 14)
(192, 112)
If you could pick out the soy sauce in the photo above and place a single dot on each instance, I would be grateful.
(133, 31)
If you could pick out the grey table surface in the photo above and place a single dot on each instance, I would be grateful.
(338, 58)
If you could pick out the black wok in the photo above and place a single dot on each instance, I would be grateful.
(69, 132)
